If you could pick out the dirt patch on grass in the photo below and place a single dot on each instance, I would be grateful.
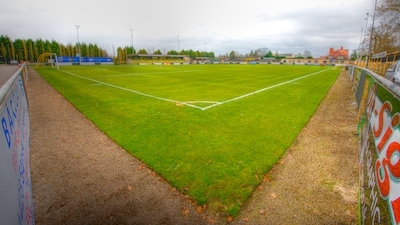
(80, 176)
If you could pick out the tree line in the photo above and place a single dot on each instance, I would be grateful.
(122, 53)
(30, 50)
(261, 53)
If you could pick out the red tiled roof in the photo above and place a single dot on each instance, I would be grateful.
(340, 52)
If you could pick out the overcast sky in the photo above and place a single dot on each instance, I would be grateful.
(286, 26)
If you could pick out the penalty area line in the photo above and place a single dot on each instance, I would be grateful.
(261, 90)
(133, 91)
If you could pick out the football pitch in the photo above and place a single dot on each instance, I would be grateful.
(212, 131)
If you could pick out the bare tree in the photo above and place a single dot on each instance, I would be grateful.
(262, 51)
(387, 31)
(307, 53)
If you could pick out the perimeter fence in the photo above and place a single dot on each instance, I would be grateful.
(378, 102)
(16, 206)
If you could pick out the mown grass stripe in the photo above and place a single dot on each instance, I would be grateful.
(139, 74)
(133, 91)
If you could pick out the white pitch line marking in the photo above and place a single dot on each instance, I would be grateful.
(261, 90)
(193, 102)
(133, 91)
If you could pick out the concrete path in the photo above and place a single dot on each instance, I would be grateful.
(6, 71)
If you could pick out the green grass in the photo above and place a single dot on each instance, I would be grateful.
(213, 154)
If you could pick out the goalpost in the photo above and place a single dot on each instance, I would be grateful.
(45, 58)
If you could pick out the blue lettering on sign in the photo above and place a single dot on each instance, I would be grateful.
(10, 120)
(12, 110)
(14, 107)
(6, 132)
(21, 202)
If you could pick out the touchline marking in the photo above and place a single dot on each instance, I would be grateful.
(133, 91)
(261, 90)
(138, 74)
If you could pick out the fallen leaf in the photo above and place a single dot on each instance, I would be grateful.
(204, 207)
(245, 219)
(199, 209)
(273, 195)
(261, 211)
(267, 179)
(141, 167)
(212, 220)
(281, 162)
(185, 211)
(230, 218)
(148, 171)
(129, 188)
(256, 176)
(162, 179)
(259, 187)
(153, 174)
